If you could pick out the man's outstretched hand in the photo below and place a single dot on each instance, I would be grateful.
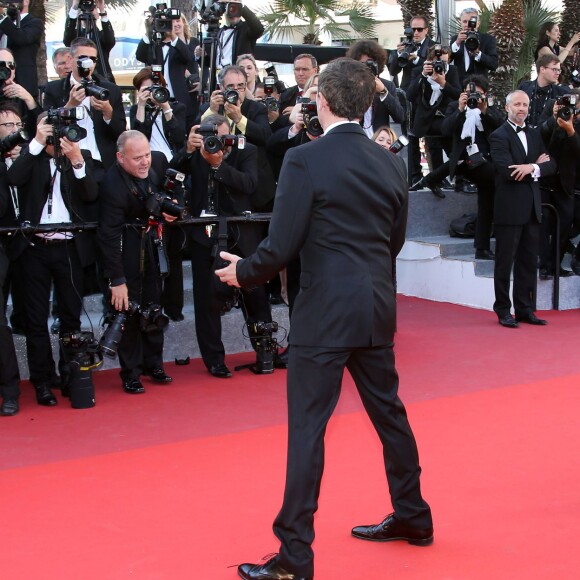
(228, 274)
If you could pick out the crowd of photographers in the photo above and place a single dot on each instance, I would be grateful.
(69, 159)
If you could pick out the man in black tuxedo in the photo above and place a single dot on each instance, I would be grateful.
(130, 256)
(232, 174)
(480, 61)
(54, 187)
(520, 159)
(24, 42)
(87, 27)
(347, 223)
(105, 120)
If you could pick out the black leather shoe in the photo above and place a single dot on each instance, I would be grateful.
(158, 375)
(55, 326)
(133, 386)
(484, 255)
(271, 570)
(545, 274)
(436, 191)
(276, 299)
(419, 185)
(282, 358)
(563, 273)
(9, 407)
(393, 529)
(469, 188)
(531, 318)
(44, 396)
(220, 371)
(508, 321)
(445, 184)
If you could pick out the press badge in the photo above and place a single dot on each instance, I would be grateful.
(472, 149)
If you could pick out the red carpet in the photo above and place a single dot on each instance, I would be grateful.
(184, 481)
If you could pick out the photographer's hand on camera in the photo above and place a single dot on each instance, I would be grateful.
(43, 130)
(120, 297)
(216, 101)
(194, 140)
(213, 159)
(380, 87)
(72, 151)
(76, 97)
(104, 106)
(234, 112)
(460, 38)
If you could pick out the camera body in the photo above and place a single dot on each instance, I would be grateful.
(309, 112)
(372, 64)
(270, 102)
(159, 93)
(568, 107)
(212, 142)
(87, 6)
(64, 124)
(438, 64)
(472, 40)
(84, 66)
(162, 19)
(474, 97)
(159, 202)
(5, 74)
(408, 48)
(213, 13)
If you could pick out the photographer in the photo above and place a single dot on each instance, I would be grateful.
(24, 42)
(233, 173)
(431, 92)
(161, 45)
(267, 94)
(130, 254)
(82, 21)
(560, 134)
(55, 185)
(473, 52)
(386, 103)
(106, 118)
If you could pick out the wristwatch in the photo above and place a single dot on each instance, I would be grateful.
(78, 165)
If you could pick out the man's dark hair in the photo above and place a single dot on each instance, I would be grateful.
(420, 17)
(371, 49)
(215, 119)
(312, 59)
(79, 42)
(10, 107)
(348, 86)
(546, 60)
(478, 80)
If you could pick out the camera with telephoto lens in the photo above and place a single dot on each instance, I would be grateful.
(162, 19)
(159, 93)
(64, 124)
(265, 346)
(117, 321)
(474, 97)
(13, 8)
(84, 66)
(408, 48)
(567, 104)
(310, 119)
(13, 140)
(152, 318)
(472, 40)
(158, 203)
(372, 64)
(270, 102)
(212, 142)
(438, 64)
(399, 144)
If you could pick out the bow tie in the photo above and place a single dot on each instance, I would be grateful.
(228, 27)
(524, 129)
(166, 44)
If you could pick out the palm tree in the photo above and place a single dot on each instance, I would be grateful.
(316, 17)
(411, 8)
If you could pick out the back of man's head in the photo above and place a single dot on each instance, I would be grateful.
(348, 86)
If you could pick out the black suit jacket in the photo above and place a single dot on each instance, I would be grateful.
(347, 223)
(411, 70)
(517, 202)
(389, 107)
(57, 94)
(24, 43)
(488, 61)
(106, 38)
(32, 175)
(246, 34)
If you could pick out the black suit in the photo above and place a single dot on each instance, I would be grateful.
(487, 63)
(390, 106)
(130, 257)
(48, 261)
(245, 35)
(517, 217)
(412, 70)
(106, 134)
(343, 317)
(24, 43)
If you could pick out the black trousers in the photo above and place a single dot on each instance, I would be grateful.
(172, 297)
(208, 324)
(414, 169)
(44, 264)
(14, 286)
(517, 247)
(9, 373)
(564, 205)
(314, 383)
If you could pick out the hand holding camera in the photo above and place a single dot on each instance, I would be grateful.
(71, 150)
(216, 101)
(194, 140)
(43, 131)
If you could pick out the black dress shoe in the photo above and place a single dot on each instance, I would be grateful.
(391, 529)
(271, 570)
(276, 299)
(282, 358)
(445, 184)
(508, 321)
(44, 396)
(55, 326)
(419, 185)
(545, 274)
(484, 255)
(176, 317)
(133, 386)
(563, 273)
(220, 371)
(531, 318)
(158, 375)
(9, 407)
(436, 191)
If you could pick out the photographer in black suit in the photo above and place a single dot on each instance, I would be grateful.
(473, 52)
(105, 120)
(130, 255)
(54, 186)
(103, 37)
(231, 174)
(520, 159)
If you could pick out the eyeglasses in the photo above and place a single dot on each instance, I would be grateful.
(558, 70)
(419, 29)
(238, 87)
(11, 126)
(7, 63)
(83, 56)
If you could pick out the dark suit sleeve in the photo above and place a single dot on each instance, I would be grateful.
(4, 191)
(183, 54)
(118, 123)
(258, 127)
(255, 27)
(107, 36)
(453, 116)
(414, 88)
(391, 103)
(144, 52)
(452, 86)
(86, 188)
(489, 56)
(242, 179)
(25, 35)
(19, 172)
(70, 31)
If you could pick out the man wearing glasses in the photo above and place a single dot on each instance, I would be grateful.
(104, 120)
(544, 88)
